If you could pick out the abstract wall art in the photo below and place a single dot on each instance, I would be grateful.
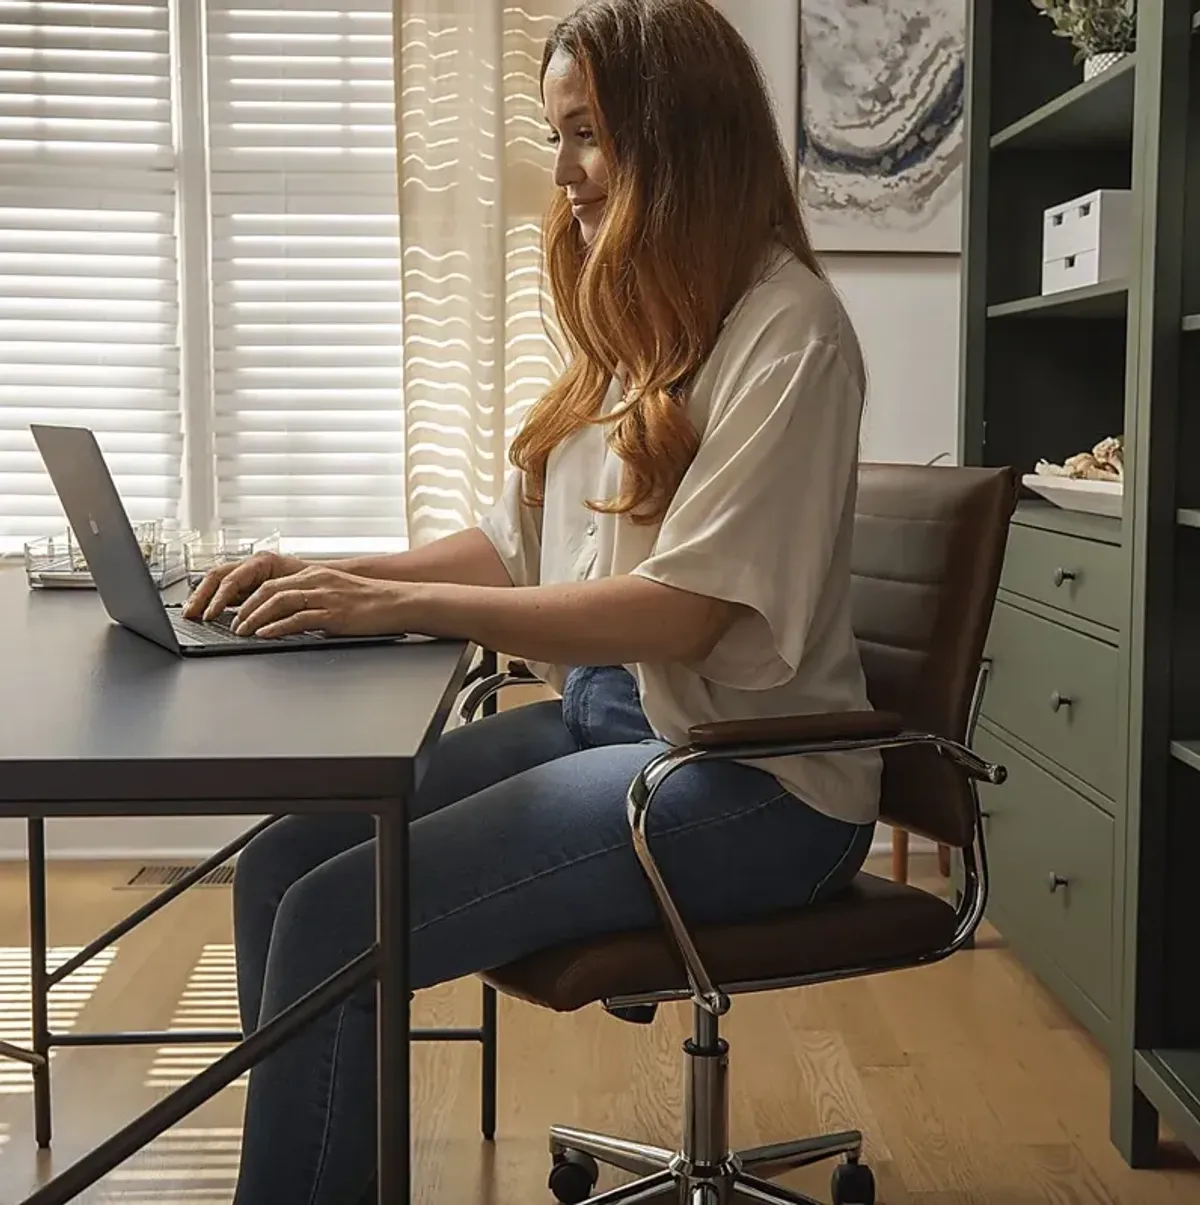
(880, 124)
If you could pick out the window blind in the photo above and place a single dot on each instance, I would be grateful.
(88, 274)
(309, 426)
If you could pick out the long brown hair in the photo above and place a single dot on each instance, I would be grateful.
(699, 194)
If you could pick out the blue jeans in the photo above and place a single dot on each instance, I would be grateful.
(519, 842)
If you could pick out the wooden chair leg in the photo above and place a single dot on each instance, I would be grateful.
(900, 855)
(944, 860)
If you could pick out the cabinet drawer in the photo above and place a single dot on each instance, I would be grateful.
(1056, 689)
(1050, 854)
(1081, 577)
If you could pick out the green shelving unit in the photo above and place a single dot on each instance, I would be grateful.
(1105, 300)
(1094, 695)
(1098, 112)
(1170, 1079)
(1187, 752)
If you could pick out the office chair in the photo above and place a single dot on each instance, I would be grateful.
(928, 548)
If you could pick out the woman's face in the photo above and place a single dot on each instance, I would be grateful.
(579, 167)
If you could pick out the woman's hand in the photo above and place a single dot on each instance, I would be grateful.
(321, 599)
(226, 585)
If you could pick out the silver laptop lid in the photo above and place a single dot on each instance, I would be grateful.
(106, 537)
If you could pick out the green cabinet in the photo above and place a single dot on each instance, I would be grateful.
(1079, 577)
(1051, 854)
(1056, 689)
(1051, 716)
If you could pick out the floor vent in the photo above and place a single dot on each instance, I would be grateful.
(168, 876)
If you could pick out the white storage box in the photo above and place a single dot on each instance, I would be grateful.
(1086, 240)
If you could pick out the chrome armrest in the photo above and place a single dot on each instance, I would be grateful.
(644, 788)
(517, 674)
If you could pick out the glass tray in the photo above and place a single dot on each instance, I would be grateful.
(57, 562)
(227, 545)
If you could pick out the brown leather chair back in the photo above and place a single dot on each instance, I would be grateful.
(928, 548)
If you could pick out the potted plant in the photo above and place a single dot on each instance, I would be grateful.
(1102, 31)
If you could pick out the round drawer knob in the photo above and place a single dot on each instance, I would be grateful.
(1058, 701)
(1062, 576)
(1056, 881)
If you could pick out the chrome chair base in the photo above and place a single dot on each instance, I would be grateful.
(742, 1178)
(704, 1171)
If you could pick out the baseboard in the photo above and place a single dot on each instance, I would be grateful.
(190, 837)
(174, 837)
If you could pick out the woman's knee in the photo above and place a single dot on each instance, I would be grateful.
(256, 870)
(287, 850)
(325, 919)
(475, 756)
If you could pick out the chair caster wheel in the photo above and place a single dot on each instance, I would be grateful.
(853, 1184)
(573, 1176)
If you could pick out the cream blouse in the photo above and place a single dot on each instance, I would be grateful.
(763, 518)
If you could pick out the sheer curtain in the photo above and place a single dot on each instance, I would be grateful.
(474, 177)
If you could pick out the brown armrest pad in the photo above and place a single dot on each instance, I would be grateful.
(784, 729)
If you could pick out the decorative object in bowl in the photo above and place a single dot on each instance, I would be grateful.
(1088, 481)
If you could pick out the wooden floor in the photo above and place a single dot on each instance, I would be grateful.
(972, 1086)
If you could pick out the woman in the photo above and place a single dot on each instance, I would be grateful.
(672, 547)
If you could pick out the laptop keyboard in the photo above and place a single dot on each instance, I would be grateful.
(218, 631)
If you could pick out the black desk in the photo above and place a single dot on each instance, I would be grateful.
(96, 721)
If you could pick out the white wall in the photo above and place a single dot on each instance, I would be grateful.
(905, 307)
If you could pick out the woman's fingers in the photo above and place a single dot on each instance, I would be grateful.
(292, 625)
(204, 593)
(235, 586)
(280, 598)
(232, 583)
(271, 601)
(315, 599)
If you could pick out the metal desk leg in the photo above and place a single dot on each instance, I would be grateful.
(393, 1005)
(488, 1071)
(40, 989)
(490, 664)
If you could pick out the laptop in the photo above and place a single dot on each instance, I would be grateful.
(123, 580)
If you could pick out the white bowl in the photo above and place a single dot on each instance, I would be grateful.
(1094, 497)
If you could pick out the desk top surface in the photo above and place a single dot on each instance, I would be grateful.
(91, 712)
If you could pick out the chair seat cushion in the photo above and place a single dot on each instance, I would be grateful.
(873, 920)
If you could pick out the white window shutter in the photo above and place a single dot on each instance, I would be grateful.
(309, 424)
(88, 274)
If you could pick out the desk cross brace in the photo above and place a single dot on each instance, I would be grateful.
(229, 1067)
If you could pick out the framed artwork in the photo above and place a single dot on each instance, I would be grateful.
(880, 124)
